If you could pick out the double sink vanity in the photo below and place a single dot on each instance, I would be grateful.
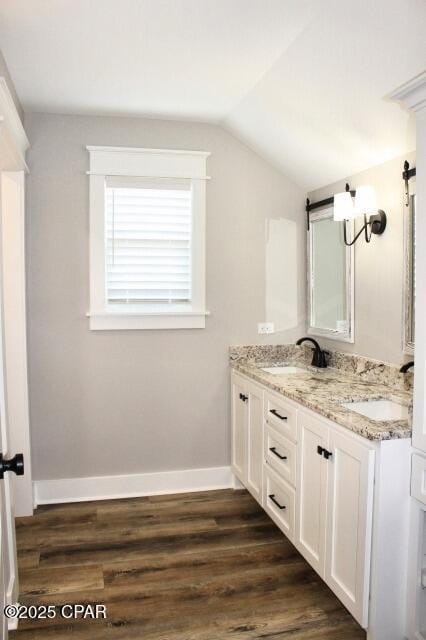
(325, 452)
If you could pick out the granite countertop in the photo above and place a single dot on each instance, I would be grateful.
(323, 390)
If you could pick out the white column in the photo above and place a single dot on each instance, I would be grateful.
(412, 96)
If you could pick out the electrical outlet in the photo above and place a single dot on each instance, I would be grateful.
(265, 327)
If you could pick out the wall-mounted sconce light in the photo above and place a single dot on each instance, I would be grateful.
(364, 204)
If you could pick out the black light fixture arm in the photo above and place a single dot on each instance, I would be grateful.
(375, 224)
(364, 228)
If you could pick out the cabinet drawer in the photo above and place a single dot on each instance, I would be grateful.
(280, 453)
(279, 501)
(282, 415)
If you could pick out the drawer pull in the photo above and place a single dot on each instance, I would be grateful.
(243, 397)
(275, 413)
(324, 453)
(275, 452)
(272, 497)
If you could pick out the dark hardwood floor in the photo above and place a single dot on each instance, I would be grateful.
(199, 566)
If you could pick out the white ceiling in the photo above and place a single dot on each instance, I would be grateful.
(300, 81)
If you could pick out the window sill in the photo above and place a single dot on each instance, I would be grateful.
(113, 321)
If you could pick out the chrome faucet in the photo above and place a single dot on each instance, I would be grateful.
(318, 359)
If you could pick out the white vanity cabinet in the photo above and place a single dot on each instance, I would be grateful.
(334, 509)
(339, 497)
(247, 434)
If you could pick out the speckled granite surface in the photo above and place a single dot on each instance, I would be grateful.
(364, 368)
(351, 379)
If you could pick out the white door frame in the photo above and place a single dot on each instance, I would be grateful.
(412, 96)
(14, 316)
(14, 388)
(13, 146)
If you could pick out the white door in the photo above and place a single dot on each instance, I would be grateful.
(239, 428)
(3, 623)
(12, 250)
(255, 441)
(349, 522)
(8, 559)
(312, 491)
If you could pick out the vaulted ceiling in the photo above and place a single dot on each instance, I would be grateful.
(303, 82)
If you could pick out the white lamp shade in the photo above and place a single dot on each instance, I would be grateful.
(366, 201)
(343, 208)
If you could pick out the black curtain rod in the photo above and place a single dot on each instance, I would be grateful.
(310, 206)
(408, 173)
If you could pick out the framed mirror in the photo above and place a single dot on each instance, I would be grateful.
(330, 278)
(409, 270)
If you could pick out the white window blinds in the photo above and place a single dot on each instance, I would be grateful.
(148, 242)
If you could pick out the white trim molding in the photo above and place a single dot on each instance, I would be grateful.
(148, 163)
(13, 139)
(411, 94)
(135, 321)
(15, 330)
(139, 165)
(347, 334)
(408, 302)
(132, 486)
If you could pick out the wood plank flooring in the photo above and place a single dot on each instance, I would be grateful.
(199, 566)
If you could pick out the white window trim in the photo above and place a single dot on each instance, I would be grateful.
(146, 163)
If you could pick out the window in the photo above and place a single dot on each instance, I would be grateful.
(147, 238)
(148, 243)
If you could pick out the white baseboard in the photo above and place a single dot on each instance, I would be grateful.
(136, 485)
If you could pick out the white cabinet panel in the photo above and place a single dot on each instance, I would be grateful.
(239, 428)
(418, 478)
(312, 491)
(247, 434)
(349, 517)
(255, 441)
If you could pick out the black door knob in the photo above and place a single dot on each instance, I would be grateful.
(15, 464)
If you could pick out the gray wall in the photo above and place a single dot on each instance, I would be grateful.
(378, 267)
(4, 72)
(129, 402)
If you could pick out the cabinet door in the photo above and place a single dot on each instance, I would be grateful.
(349, 522)
(239, 428)
(255, 441)
(311, 491)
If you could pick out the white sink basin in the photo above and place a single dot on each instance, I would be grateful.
(379, 409)
(279, 371)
